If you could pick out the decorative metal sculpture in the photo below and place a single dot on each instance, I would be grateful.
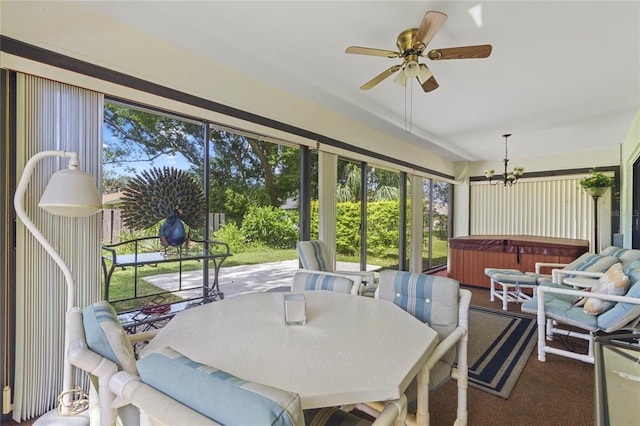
(167, 193)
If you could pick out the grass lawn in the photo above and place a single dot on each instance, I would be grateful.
(121, 286)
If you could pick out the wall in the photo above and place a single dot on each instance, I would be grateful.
(623, 156)
(629, 153)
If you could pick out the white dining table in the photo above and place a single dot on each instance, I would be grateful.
(352, 349)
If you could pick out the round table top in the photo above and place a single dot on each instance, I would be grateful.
(352, 348)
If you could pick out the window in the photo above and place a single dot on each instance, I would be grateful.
(436, 223)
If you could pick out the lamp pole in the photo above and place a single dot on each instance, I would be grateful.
(70, 193)
(596, 248)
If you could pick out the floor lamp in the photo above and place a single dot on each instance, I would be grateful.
(596, 193)
(71, 193)
(596, 247)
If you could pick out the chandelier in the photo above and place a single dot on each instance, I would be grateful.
(507, 178)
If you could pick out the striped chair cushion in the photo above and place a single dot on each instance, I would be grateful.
(512, 276)
(314, 256)
(625, 256)
(431, 299)
(434, 301)
(561, 307)
(105, 336)
(217, 394)
(591, 263)
(305, 281)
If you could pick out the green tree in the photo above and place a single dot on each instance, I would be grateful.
(381, 184)
(244, 171)
(261, 173)
(138, 135)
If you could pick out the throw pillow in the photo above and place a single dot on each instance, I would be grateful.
(613, 282)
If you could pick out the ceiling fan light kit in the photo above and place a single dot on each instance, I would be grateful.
(508, 178)
(411, 44)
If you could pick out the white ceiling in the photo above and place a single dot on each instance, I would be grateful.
(563, 75)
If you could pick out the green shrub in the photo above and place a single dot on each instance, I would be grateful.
(270, 227)
(348, 228)
(229, 233)
(383, 227)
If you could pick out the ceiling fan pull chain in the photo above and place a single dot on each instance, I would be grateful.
(408, 106)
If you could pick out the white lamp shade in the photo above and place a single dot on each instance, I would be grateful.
(412, 69)
(71, 193)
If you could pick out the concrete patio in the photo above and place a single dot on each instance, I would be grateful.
(234, 280)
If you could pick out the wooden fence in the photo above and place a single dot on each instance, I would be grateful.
(112, 225)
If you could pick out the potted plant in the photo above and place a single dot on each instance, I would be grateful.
(596, 183)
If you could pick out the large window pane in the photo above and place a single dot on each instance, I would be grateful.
(383, 217)
(147, 146)
(254, 187)
(348, 214)
(436, 223)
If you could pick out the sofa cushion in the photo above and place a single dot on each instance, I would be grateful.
(622, 313)
(615, 282)
(224, 398)
(104, 335)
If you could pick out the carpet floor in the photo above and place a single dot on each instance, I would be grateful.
(559, 391)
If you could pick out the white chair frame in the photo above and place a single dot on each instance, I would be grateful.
(547, 327)
(459, 337)
(510, 292)
(104, 369)
(361, 279)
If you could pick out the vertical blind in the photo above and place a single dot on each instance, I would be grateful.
(551, 208)
(52, 116)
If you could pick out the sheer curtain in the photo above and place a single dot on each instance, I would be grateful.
(52, 116)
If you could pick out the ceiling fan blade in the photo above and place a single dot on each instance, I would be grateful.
(372, 52)
(463, 52)
(430, 85)
(377, 79)
(428, 28)
(424, 74)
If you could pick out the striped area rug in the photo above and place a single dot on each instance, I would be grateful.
(500, 344)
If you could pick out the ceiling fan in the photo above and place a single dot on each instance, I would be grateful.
(412, 44)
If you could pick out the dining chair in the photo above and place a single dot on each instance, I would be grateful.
(440, 303)
(99, 345)
(314, 256)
